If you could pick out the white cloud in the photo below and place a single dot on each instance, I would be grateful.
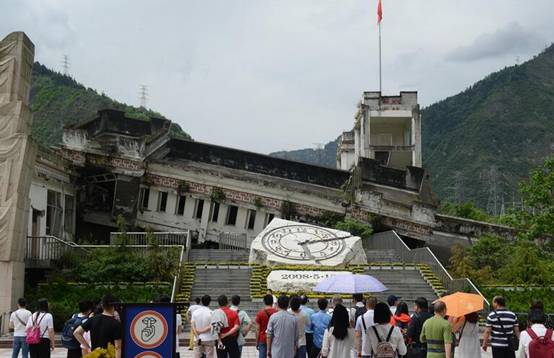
(510, 40)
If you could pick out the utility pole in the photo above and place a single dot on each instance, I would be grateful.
(65, 65)
(492, 178)
(459, 187)
(143, 95)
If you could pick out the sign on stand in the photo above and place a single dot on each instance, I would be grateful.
(149, 330)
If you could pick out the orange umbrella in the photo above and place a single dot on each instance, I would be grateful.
(460, 303)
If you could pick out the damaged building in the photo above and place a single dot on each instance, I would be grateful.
(134, 169)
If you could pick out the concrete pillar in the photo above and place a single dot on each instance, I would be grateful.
(416, 139)
(17, 158)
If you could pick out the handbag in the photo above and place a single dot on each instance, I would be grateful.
(513, 342)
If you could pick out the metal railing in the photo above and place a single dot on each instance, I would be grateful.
(177, 278)
(390, 240)
(48, 247)
(233, 241)
(144, 238)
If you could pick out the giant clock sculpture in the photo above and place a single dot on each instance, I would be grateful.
(303, 242)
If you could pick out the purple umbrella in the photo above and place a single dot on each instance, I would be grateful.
(353, 283)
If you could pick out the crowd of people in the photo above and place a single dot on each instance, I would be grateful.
(286, 327)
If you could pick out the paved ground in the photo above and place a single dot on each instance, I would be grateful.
(249, 352)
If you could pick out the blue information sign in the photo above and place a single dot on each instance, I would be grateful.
(149, 330)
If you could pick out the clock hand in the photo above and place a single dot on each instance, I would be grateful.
(302, 243)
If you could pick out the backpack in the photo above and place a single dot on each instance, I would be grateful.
(384, 348)
(540, 347)
(68, 339)
(359, 311)
(33, 333)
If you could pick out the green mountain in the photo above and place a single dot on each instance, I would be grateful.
(58, 100)
(326, 156)
(480, 143)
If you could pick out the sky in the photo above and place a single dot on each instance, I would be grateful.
(269, 75)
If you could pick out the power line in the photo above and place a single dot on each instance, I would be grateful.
(143, 95)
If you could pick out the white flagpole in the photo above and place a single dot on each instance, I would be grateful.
(380, 69)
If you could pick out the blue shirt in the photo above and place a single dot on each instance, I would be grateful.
(320, 322)
(309, 312)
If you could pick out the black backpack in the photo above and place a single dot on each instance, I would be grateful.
(359, 311)
(68, 340)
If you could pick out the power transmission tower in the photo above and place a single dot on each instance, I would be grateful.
(318, 147)
(493, 180)
(143, 95)
(65, 65)
(459, 186)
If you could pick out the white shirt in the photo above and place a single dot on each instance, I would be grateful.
(392, 309)
(396, 338)
(337, 348)
(202, 318)
(193, 308)
(44, 321)
(525, 339)
(19, 319)
(368, 319)
(178, 323)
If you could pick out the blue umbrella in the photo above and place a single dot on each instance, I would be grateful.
(352, 283)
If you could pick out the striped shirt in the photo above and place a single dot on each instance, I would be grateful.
(502, 323)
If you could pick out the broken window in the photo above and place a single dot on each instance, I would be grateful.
(69, 213)
(144, 197)
(162, 201)
(268, 218)
(215, 212)
(232, 212)
(181, 199)
(199, 208)
(251, 219)
(54, 213)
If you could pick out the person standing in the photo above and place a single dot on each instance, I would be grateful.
(338, 339)
(392, 300)
(437, 333)
(302, 319)
(270, 292)
(68, 339)
(422, 314)
(501, 329)
(527, 349)
(201, 326)
(104, 328)
(308, 329)
(468, 336)
(245, 322)
(193, 307)
(228, 324)
(320, 322)
(18, 322)
(45, 323)
(383, 333)
(282, 331)
(262, 318)
(363, 323)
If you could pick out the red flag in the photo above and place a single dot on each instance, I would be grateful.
(379, 12)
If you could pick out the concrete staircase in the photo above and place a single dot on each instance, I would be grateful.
(402, 281)
(220, 256)
(374, 256)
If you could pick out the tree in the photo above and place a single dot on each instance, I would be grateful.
(460, 262)
(536, 220)
(526, 266)
(489, 250)
(355, 227)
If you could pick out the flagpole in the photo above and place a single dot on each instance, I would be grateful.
(380, 69)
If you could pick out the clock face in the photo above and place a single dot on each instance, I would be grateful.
(302, 242)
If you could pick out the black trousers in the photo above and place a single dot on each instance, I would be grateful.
(314, 352)
(231, 348)
(309, 342)
(498, 352)
(41, 349)
(74, 353)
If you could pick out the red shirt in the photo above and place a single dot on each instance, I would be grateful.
(262, 318)
(232, 319)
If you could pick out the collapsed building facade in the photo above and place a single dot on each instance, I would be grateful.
(131, 168)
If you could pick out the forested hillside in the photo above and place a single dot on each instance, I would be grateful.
(57, 100)
(480, 143)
